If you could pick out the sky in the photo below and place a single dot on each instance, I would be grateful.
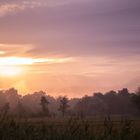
(69, 47)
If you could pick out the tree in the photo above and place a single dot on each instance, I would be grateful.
(20, 110)
(63, 105)
(136, 99)
(138, 91)
(124, 92)
(5, 109)
(44, 104)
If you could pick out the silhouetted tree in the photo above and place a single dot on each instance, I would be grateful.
(117, 103)
(5, 109)
(136, 99)
(124, 92)
(20, 110)
(12, 97)
(98, 94)
(138, 91)
(44, 104)
(64, 105)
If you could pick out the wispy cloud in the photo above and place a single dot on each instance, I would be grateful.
(19, 54)
(14, 6)
(4, 61)
(15, 49)
(10, 7)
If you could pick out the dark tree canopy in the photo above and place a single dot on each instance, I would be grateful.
(121, 102)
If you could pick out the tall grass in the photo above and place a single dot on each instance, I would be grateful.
(71, 129)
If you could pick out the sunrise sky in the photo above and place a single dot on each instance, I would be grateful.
(69, 47)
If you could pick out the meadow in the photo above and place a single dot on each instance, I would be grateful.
(70, 129)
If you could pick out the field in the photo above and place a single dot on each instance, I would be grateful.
(70, 129)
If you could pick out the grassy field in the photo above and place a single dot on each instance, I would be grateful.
(70, 129)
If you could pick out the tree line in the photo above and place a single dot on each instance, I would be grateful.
(39, 104)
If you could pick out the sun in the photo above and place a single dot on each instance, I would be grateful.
(10, 71)
(13, 66)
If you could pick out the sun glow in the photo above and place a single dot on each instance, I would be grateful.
(13, 66)
(2, 52)
(9, 71)
(4, 61)
(10, 61)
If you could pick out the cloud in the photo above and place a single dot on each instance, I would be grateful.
(20, 54)
(9, 61)
(10, 7)
(99, 27)
(15, 49)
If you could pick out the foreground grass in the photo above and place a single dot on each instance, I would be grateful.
(69, 129)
